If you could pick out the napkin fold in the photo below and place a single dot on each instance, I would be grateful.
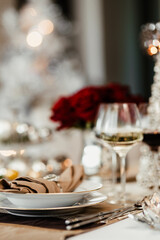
(67, 182)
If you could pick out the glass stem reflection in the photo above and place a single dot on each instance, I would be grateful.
(123, 176)
(114, 168)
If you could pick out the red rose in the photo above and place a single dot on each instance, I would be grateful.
(63, 113)
(86, 102)
(81, 108)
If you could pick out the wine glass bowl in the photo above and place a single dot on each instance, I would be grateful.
(111, 166)
(99, 120)
(120, 129)
(151, 136)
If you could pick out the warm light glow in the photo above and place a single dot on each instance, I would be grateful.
(67, 163)
(11, 174)
(156, 43)
(34, 174)
(45, 27)
(28, 11)
(91, 159)
(22, 151)
(32, 11)
(34, 39)
(8, 153)
(27, 18)
(152, 50)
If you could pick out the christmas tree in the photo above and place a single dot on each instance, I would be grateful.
(39, 63)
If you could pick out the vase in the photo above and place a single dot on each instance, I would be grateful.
(97, 159)
(99, 162)
(91, 153)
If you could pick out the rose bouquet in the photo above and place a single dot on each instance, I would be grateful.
(79, 110)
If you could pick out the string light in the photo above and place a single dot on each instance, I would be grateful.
(152, 50)
(28, 11)
(45, 27)
(151, 41)
(34, 39)
(156, 43)
(7, 153)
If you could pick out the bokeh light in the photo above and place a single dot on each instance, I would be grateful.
(32, 11)
(45, 27)
(152, 50)
(156, 43)
(34, 39)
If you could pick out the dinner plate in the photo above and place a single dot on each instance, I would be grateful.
(89, 200)
(45, 200)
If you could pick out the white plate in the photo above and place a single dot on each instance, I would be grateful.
(89, 200)
(46, 200)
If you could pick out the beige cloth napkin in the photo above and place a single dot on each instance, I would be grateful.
(68, 181)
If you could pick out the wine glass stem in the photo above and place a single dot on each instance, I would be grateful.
(114, 168)
(123, 177)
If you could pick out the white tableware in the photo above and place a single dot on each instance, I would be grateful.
(46, 200)
(89, 200)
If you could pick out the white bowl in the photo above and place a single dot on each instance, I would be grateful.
(46, 200)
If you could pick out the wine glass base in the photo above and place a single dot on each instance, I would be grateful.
(125, 201)
(134, 193)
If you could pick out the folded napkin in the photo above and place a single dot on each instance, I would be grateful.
(67, 182)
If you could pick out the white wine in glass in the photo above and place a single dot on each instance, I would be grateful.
(120, 130)
(122, 141)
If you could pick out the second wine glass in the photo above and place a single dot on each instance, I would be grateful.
(121, 129)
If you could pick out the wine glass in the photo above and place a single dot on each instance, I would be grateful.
(97, 130)
(120, 129)
(151, 136)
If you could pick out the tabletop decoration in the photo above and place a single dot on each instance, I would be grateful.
(16, 132)
(20, 163)
(79, 110)
(151, 211)
(16, 141)
(150, 37)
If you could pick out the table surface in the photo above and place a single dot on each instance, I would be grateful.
(125, 229)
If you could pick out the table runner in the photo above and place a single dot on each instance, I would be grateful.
(38, 228)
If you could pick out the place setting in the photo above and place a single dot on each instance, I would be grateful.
(75, 200)
(40, 197)
(69, 197)
(66, 197)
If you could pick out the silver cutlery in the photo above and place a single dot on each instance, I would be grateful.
(82, 218)
(100, 217)
(51, 177)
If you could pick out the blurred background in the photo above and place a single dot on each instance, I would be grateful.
(105, 38)
(52, 48)
(109, 40)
